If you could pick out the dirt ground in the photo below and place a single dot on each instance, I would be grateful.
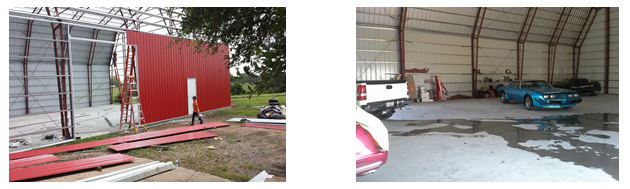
(239, 155)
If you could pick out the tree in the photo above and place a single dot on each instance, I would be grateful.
(237, 89)
(256, 37)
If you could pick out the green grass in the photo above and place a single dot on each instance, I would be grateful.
(221, 171)
(245, 104)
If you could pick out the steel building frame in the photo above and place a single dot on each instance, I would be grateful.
(551, 53)
(474, 41)
(60, 17)
(577, 46)
(401, 39)
(520, 43)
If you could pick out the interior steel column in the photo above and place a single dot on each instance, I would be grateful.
(29, 32)
(89, 65)
(60, 70)
(481, 13)
(551, 53)
(586, 26)
(522, 37)
(401, 39)
(607, 60)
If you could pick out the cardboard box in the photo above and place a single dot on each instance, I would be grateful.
(413, 94)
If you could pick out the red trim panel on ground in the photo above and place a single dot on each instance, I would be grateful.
(128, 138)
(164, 140)
(264, 126)
(68, 166)
(32, 161)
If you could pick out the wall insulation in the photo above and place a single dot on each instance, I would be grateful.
(162, 75)
(592, 58)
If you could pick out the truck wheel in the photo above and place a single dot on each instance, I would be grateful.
(529, 103)
(504, 98)
(384, 116)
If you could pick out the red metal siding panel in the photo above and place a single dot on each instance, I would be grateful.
(65, 167)
(163, 73)
(128, 138)
(32, 161)
(164, 140)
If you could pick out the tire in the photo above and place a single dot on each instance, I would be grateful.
(529, 103)
(595, 93)
(504, 98)
(567, 108)
(382, 116)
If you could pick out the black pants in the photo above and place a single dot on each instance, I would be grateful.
(193, 118)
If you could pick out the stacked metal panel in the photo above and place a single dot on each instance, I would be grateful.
(163, 140)
(133, 173)
(65, 167)
(128, 138)
(14, 164)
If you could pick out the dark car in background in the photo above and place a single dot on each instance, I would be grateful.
(580, 85)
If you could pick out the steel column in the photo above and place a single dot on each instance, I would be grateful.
(60, 69)
(89, 64)
(607, 60)
(520, 44)
(481, 13)
(586, 26)
(551, 53)
(29, 29)
(401, 39)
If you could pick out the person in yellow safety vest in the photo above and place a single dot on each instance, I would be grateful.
(195, 111)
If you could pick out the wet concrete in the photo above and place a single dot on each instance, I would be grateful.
(565, 136)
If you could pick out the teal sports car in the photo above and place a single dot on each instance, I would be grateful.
(538, 94)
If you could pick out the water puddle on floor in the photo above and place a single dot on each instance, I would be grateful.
(590, 140)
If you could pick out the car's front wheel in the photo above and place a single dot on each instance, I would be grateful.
(529, 103)
(595, 92)
(504, 98)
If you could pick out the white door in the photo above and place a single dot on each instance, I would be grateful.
(192, 91)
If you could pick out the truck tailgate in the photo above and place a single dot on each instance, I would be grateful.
(386, 90)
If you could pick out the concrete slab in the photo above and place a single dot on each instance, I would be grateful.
(493, 108)
(90, 122)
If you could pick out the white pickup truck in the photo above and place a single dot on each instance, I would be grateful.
(381, 98)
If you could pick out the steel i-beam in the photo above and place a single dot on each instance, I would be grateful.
(475, 47)
(522, 37)
(401, 40)
(586, 26)
(555, 37)
(607, 60)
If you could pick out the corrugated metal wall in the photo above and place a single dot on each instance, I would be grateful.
(100, 69)
(439, 38)
(162, 75)
(592, 58)
(377, 54)
(46, 67)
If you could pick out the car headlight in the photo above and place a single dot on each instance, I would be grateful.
(570, 95)
(552, 96)
(545, 96)
(576, 95)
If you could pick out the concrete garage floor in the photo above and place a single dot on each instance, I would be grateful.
(483, 140)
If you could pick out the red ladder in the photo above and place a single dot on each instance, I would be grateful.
(130, 93)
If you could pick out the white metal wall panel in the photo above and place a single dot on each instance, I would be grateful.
(593, 52)
(46, 67)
